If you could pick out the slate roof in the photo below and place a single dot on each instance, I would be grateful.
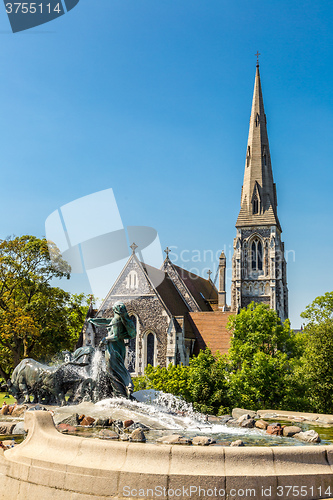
(200, 288)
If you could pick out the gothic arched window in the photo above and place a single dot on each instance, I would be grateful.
(150, 346)
(256, 255)
(255, 205)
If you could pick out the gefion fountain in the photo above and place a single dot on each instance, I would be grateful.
(52, 465)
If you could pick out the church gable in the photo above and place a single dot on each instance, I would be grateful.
(180, 286)
(132, 282)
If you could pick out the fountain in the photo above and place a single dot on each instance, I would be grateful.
(49, 464)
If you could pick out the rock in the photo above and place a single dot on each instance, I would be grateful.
(138, 436)
(212, 419)
(249, 423)
(6, 428)
(238, 412)
(5, 409)
(123, 437)
(19, 410)
(291, 430)
(275, 430)
(19, 429)
(261, 424)
(101, 422)
(225, 418)
(308, 436)
(232, 421)
(174, 439)
(71, 420)
(241, 419)
(136, 425)
(107, 434)
(11, 408)
(87, 421)
(239, 442)
(64, 428)
(203, 441)
(127, 423)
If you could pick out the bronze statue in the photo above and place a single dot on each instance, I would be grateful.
(119, 328)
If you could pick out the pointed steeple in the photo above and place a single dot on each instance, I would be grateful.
(258, 199)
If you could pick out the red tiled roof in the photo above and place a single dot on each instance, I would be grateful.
(211, 331)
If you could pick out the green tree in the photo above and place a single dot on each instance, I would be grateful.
(318, 357)
(208, 382)
(35, 318)
(203, 382)
(261, 357)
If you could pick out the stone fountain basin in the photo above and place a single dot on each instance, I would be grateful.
(50, 465)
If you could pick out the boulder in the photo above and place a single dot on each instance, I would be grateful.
(6, 428)
(11, 408)
(127, 423)
(107, 434)
(261, 424)
(212, 419)
(71, 420)
(5, 409)
(136, 425)
(103, 422)
(291, 430)
(238, 412)
(275, 430)
(203, 441)
(174, 439)
(239, 442)
(64, 428)
(225, 418)
(241, 419)
(87, 421)
(248, 423)
(19, 410)
(138, 436)
(308, 436)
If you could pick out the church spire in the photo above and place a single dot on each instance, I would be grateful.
(258, 199)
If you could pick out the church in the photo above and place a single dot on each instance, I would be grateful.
(176, 312)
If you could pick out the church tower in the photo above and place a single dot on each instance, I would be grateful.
(258, 263)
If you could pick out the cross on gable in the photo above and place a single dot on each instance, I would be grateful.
(133, 247)
(167, 251)
(209, 272)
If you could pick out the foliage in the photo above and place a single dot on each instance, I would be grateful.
(261, 358)
(36, 319)
(320, 310)
(202, 383)
(268, 365)
(317, 368)
(208, 382)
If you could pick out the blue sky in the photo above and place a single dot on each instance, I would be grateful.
(152, 98)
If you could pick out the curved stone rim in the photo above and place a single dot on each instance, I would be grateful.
(54, 465)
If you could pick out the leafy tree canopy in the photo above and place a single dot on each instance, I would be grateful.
(36, 319)
(321, 309)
